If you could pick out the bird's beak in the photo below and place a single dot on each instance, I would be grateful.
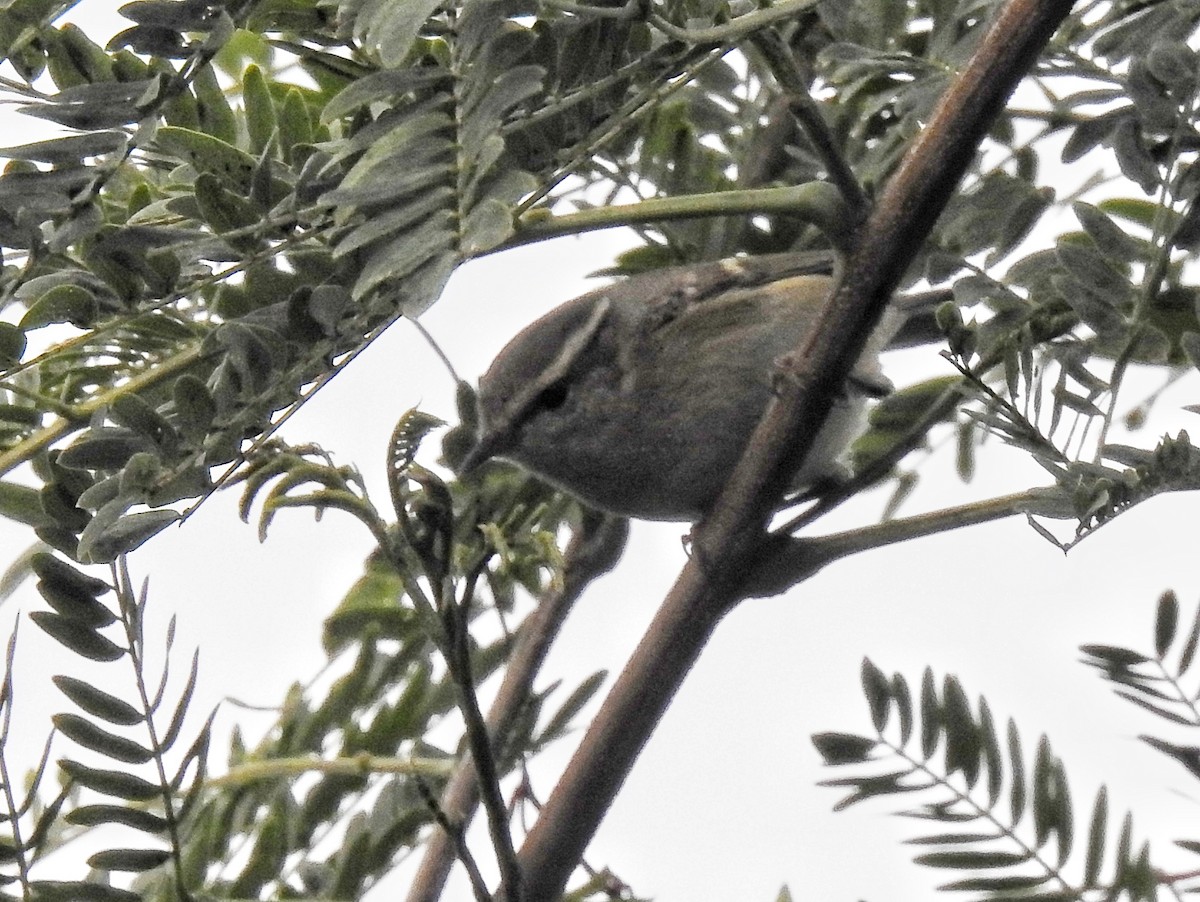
(486, 445)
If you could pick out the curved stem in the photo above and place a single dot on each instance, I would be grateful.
(736, 28)
(47, 436)
(593, 550)
(817, 202)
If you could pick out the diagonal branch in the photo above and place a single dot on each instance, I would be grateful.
(727, 541)
(786, 561)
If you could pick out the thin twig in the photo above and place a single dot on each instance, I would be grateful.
(479, 740)
(815, 202)
(783, 66)
(792, 560)
(735, 29)
(593, 550)
(458, 840)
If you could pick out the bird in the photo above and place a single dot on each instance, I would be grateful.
(638, 398)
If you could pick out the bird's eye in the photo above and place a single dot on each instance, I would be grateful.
(552, 397)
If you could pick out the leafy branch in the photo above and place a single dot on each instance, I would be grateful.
(1010, 825)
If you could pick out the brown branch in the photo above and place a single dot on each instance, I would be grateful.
(727, 541)
(785, 561)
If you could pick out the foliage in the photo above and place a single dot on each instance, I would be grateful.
(160, 806)
(241, 195)
(1013, 827)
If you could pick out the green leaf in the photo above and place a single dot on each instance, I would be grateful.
(902, 699)
(393, 27)
(181, 707)
(132, 412)
(1137, 210)
(1006, 884)
(503, 94)
(74, 59)
(169, 14)
(295, 125)
(233, 167)
(972, 860)
(1174, 64)
(71, 149)
(1113, 657)
(62, 576)
(126, 534)
(1134, 157)
(62, 304)
(843, 748)
(1051, 801)
(1097, 830)
(953, 839)
(259, 108)
(1064, 816)
(227, 211)
(90, 736)
(216, 116)
(1111, 240)
(419, 141)
(1095, 310)
(78, 606)
(77, 637)
(97, 702)
(878, 690)
(94, 106)
(111, 782)
(22, 504)
(489, 224)
(386, 84)
(12, 344)
(569, 710)
(963, 745)
(1166, 621)
(1187, 755)
(370, 607)
(1017, 769)
(993, 757)
(194, 405)
(931, 716)
(94, 815)
(132, 860)
(104, 448)
(399, 257)
(1189, 646)
(397, 221)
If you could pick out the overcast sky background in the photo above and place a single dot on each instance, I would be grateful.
(723, 803)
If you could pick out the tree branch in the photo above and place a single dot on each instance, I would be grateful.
(48, 435)
(727, 541)
(815, 202)
(788, 560)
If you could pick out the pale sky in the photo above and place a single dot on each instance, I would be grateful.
(723, 803)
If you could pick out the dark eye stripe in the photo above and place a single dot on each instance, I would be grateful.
(552, 397)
